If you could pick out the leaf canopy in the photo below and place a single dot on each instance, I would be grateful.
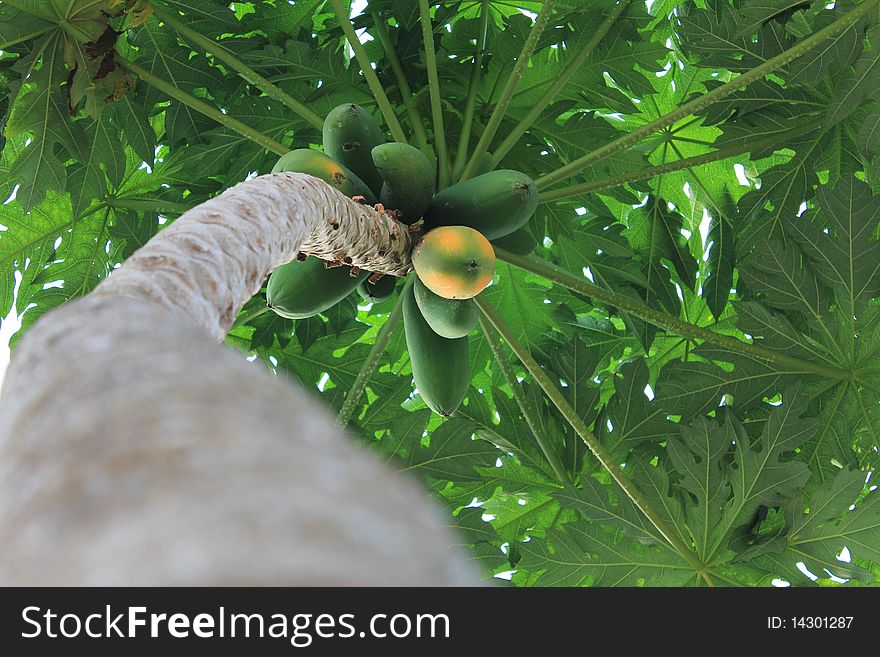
(726, 352)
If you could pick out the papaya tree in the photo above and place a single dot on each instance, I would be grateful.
(603, 276)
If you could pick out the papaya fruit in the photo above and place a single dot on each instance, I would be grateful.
(378, 291)
(350, 134)
(455, 262)
(519, 242)
(440, 366)
(449, 318)
(484, 165)
(301, 289)
(408, 179)
(315, 163)
(495, 203)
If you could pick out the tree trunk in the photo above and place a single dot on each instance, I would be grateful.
(136, 450)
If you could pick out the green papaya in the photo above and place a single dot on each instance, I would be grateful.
(519, 242)
(484, 165)
(408, 176)
(495, 203)
(315, 163)
(449, 318)
(441, 367)
(378, 291)
(301, 289)
(350, 134)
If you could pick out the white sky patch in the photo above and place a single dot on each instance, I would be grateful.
(12, 195)
(740, 172)
(357, 8)
(704, 228)
(801, 566)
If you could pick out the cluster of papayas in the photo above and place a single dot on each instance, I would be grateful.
(315, 163)
(453, 264)
(350, 134)
(453, 261)
(407, 180)
(379, 291)
(440, 366)
(302, 289)
(495, 203)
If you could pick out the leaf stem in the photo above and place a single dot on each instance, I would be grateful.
(244, 318)
(507, 92)
(434, 90)
(372, 361)
(519, 395)
(669, 323)
(470, 105)
(412, 111)
(577, 61)
(246, 72)
(698, 104)
(5, 45)
(369, 74)
(204, 108)
(677, 165)
(556, 397)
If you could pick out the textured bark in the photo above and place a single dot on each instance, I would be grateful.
(136, 450)
(215, 257)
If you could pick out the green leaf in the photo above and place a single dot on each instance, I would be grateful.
(480, 539)
(718, 280)
(452, 454)
(630, 419)
(847, 257)
(19, 26)
(656, 237)
(777, 247)
(585, 554)
(854, 86)
(160, 54)
(700, 386)
(816, 537)
(41, 111)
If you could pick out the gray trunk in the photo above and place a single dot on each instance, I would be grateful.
(134, 449)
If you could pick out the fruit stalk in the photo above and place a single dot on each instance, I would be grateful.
(412, 111)
(434, 90)
(698, 104)
(573, 66)
(202, 107)
(551, 272)
(518, 395)
(246, 72)
(555, 396)
(369, 74)
(470, 104)
(372, 362)
(507, 93)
